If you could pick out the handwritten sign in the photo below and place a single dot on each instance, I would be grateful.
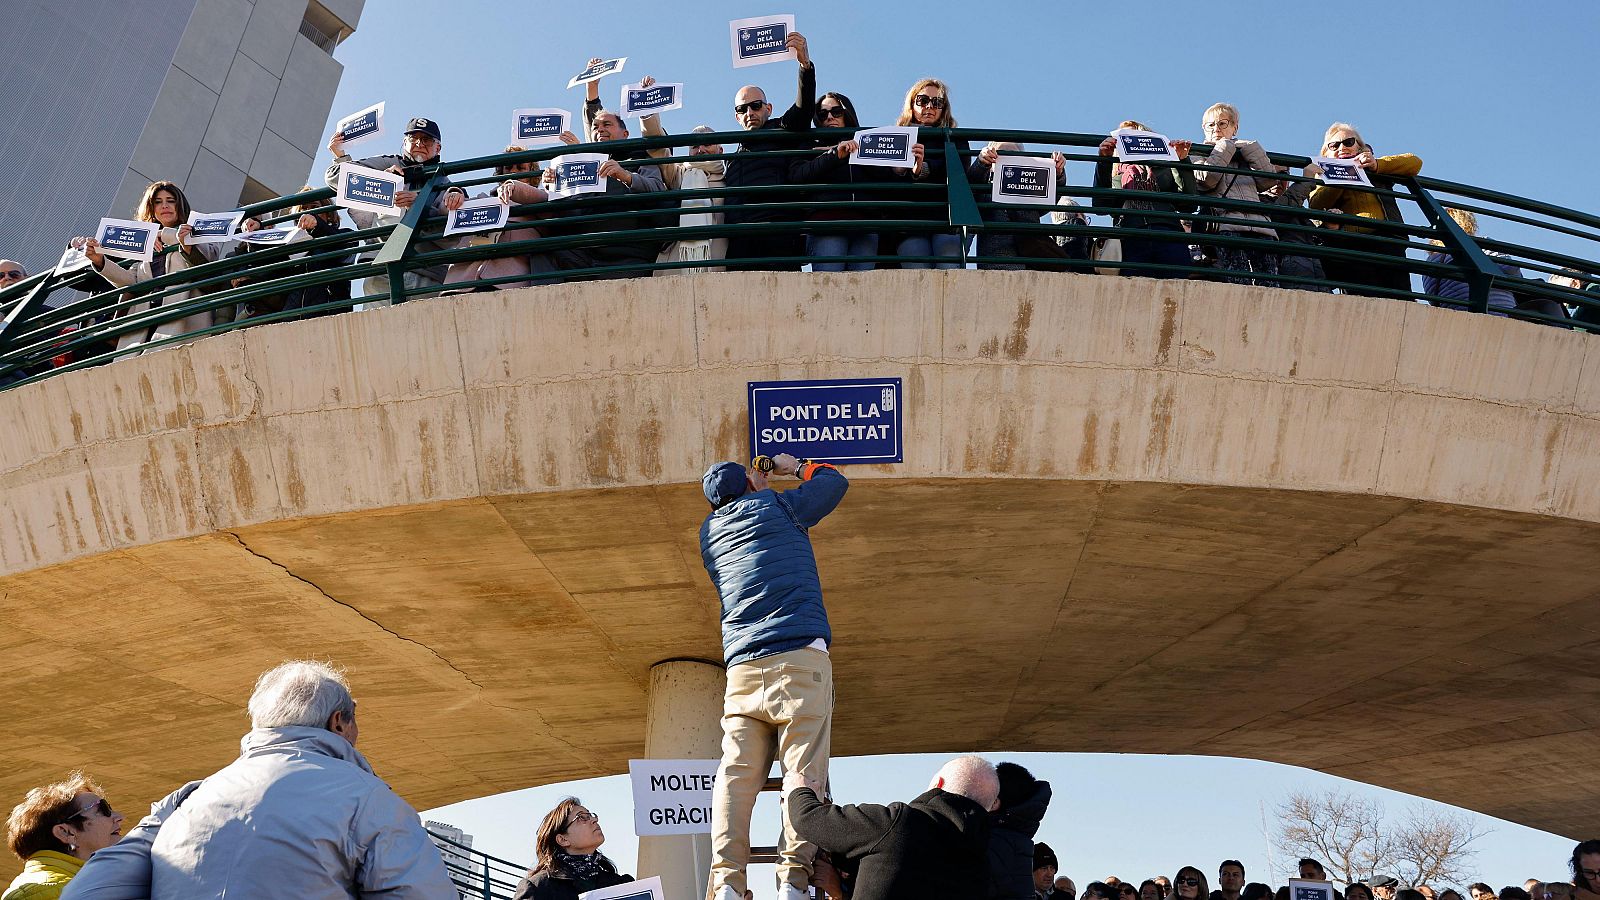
(761, 40)
(272, 237)
(577, 173)
(638, 100)
(598, 71)
(1143, 146)
(127, 239)
(481, 214)
(368, 190)
(532, 127)
(1341, 171)
(361, 126)
(847, 420)
(1023, 179)
(214, 228)
(889, 146)
(672, 796)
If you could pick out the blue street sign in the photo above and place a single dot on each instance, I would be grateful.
(846, 420)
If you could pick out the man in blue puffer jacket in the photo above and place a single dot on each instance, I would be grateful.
(775, 636)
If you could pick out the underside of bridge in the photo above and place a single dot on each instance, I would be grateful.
(1158, 518)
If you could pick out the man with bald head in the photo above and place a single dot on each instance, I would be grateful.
(936, 846)
(754, 114)
(11, 272)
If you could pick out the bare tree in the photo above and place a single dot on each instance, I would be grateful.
(1354, 839)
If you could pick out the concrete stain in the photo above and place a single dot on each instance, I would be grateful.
(1116, 445)
(1005, 444)
(1550, 441)
(549, 470)
(649, 437)
(77, 427)
(294, 484)
(72, 521)
(244, 488)
(990, 348)
(101, 527)
(429, 458)
(513, 458)
(730, 432)
(1086, 453)
(230, 394)
(1160, 425)
(1017, 341)
(602, 458)
(1169, 327)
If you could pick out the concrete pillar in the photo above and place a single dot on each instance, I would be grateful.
(684, 722)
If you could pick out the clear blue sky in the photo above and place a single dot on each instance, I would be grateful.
(1466, 84)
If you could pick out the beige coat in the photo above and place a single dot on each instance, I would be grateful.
(176, 261)
(1236, 154)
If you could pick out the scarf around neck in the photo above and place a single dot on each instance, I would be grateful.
(585, 867)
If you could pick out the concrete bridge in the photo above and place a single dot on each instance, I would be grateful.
(1356, 535)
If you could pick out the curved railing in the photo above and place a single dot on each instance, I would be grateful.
(477, 875)
(47, 330)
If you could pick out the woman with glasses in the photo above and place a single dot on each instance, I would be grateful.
(1343, 141)
(569, 861)
(1190, 883)
(54, 830)
(834, 110)
(928, 106)
(1220, 122)
(1586, 871)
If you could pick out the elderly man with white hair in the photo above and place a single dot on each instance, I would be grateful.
(934, 847)
(298, 814)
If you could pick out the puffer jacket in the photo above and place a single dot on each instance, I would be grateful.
(43, 877)
(298, 814)
(1236, 154)
(758, 553)
(1011, 845)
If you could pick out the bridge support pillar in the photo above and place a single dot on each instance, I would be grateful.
(684, 721)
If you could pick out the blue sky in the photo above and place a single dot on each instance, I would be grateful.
(1468, 85)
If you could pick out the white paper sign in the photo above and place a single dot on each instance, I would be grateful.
(368, 190)
(641, 101)
(672, 796)
(761, 40)
(1023, 179)
(214, 228)
(1341, 171)
(889, 146)
(282, 234)
(598, 71)
(577, 173)
(535, 126)
(127, 239)
(71, 261)
(643, 889)
(1143, 146)
(481, 214)
(363, 125)
(1304, 889)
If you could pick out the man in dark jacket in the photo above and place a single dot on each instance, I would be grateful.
(775, 635)
(754, 113)
(934, 847)
(1012, 859)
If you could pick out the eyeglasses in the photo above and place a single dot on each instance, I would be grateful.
(830, 112)
(1212, 126)
(1347, 142)
(925, 100)
(583, 818)
(12, 273)
(751, 106)
(1191, 882)
(1590, 873)
(102, 806)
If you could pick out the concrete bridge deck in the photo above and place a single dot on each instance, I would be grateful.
(1359, 536)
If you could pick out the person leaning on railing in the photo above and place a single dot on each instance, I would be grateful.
(1281, 195)
(1001, 244)
(1457, 294)
(1221, 125)
(751, 166)
(312, 225)
(164, 204)
(695, 175)
(527, 175)
(1343, 141)
(927, 105)
(832, 167)
(1132, 178)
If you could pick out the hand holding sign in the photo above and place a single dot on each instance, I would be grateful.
(610, 169)
(1332, 170)
(598, 69)
(357, 127)
(1134, 145)
(894, 147)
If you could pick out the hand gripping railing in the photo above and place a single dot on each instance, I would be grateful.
(38, 339)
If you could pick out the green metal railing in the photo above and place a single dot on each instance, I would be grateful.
(46, 328)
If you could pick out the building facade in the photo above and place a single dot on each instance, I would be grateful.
(462, 867)
(226, 98)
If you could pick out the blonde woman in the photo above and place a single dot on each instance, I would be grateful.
(1343, 141)
(928, 106)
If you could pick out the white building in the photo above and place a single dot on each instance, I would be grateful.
(461, 866)
(227, 98)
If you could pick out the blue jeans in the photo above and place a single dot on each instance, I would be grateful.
(931, 245)
(841, 245)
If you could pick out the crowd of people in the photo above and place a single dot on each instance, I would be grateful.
(1253, 199)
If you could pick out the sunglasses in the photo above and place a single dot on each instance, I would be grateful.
(1347, 142)
(12, 273)
(925, 100)
(753, 105)
(102, 806)
(1191, 882)
(830, 112)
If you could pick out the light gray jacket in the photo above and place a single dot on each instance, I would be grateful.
(1239, 155)
(299, 814)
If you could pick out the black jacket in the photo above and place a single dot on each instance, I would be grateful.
(553, 885)
(933, 848)
(746, 170)
(1011, 846)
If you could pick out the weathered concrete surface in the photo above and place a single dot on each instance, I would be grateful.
(1359, 536)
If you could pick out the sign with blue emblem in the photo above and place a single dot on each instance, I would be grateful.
(127, 239)
(846, 420)
(577, 173)
(1341, 171)
(361, 126)
(532, 127)
(761, 40)
(368, 190)
(481, 214)
(1024, 179)
(214, 228)
(638, 100)
(598, 71)
(1143, 146)
(887, 146)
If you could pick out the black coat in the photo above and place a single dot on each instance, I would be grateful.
(553, 885)
(933, 848)
(748, 170)
(1011, 846)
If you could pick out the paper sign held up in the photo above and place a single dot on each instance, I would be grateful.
(535, 126)
(1024, 179)
(1341, 171)
(1143, 146)
(361, 126)
(368, 190)
(763, 39)
(127, 239)
(889, 146)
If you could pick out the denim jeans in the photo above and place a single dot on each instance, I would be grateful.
(931, 245)
(841, 245)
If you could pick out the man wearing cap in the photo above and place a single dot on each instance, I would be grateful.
(1045, 867)
(779, 700)
(419, 147)
(1384, 887)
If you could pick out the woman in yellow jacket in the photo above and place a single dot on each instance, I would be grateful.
(54, 830)
(1343, 141)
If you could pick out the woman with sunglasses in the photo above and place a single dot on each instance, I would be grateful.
(569, 861)
(1343, 141)
(928, 106)
(54, 830)
(834, 110)
(1190, 883)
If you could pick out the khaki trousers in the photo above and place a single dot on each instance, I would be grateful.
(776, 707)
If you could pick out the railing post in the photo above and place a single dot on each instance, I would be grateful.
(964, 213)
(398, 245)
(1479, 269)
